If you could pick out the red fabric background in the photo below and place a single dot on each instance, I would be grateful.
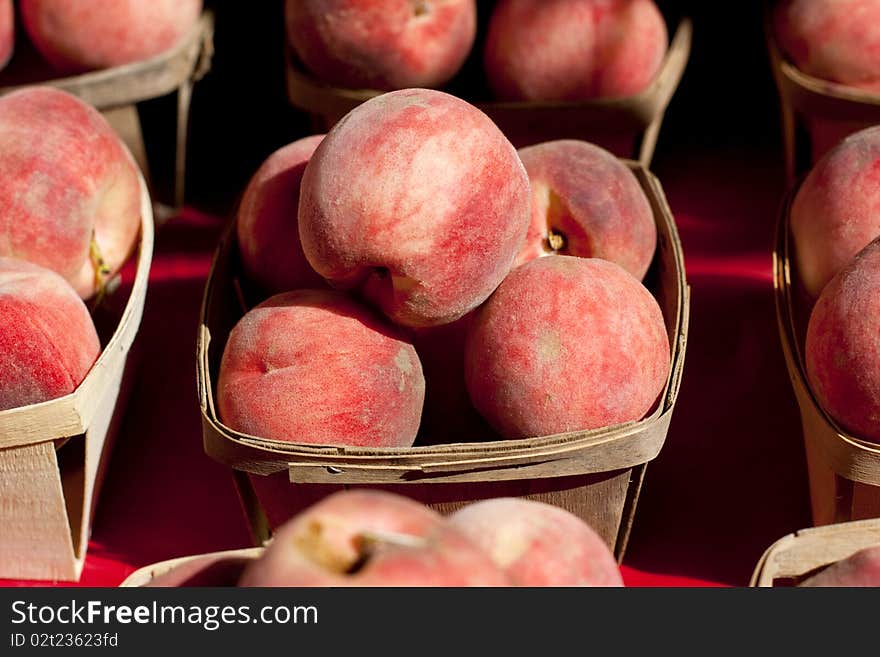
(729, 481)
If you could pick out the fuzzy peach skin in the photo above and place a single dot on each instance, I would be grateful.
(537, 544)
(566, 344)
(7, 32)
(77, 35)
(587, 203)
(836, 212)
(860, 569)
(843, 346)
(267, 228)
(65, 177)
(313, 366)
(569, 50)
(48, 342)
(834, 40)
(417, 201)
(371, 538)
(382, 44)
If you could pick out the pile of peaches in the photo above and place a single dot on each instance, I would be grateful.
(70, 215)
(414, 260)
(835, 224)
(534, 50)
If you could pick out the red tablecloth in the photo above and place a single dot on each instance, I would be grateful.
(729, 481)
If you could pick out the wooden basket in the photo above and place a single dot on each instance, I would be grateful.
(594, 474)
(51, 453)
(798, 556)
(145, 576)
(844, 471)
(816, 113)
(116, 91)
(634, 121)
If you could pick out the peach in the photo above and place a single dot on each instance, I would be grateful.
(313, 366)
(76, 36)
(587, 203)
(537, 544)
(843, 346)
(48, 341)
(417, 201)
(7, 32)
(859, 569)
(69, 191)
(834, 40)
(382, 44)
(371, 538)
(267, 228)
(836, 211)
(569, 50)
(566, 344)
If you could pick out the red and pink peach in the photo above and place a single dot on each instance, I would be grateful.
(843, 346)
(387, 44)
(587, 203)
(69, 189)
(313, 366)
(267, 225)
(417, 201)
(537, 544)
(566, 344)
(836, 211)
(48, 341)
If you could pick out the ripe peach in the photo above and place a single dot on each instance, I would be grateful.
(77, 36)
(267, 228)
(48, 342)
(387, 44)
(834, 40)
(567, 50)
(371, 538)
(587, 203)
(843, 346)
(860, 569)
(313, 366)
(537, 544)
(566, 344)
(7, 32)
(69, 188)
(418, 201)
(836, 212)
